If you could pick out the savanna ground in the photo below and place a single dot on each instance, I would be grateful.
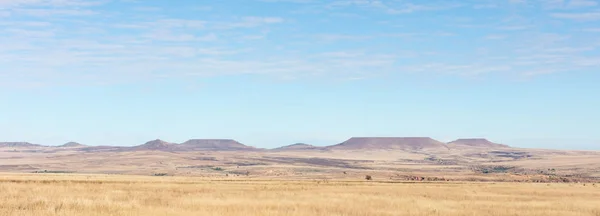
(71, 194)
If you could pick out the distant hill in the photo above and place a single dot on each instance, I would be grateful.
(389, 143)
(213, 144)
(155, 145)
(355, 143)
(480, 143)
(104, 148)
(18, 145)
(298, 147)
(72, 145)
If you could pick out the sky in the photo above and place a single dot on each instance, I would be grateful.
(270, 73)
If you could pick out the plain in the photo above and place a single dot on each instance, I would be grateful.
(80, 194)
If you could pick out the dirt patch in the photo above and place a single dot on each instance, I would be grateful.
(319, 162)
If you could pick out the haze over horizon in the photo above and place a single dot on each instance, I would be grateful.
(269, 73)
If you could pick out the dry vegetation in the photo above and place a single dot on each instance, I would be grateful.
(72, 194)
(458, 165)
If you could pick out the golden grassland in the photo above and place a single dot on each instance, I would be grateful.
(80, 195)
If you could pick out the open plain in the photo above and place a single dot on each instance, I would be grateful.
(387, 158)
(76, 194)
(299, 107)
(361, 176)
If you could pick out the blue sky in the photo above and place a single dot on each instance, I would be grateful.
(276, 72)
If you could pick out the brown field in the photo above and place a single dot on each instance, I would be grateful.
(387, 158)
(159, 178)
(79, 194)
(456, 165)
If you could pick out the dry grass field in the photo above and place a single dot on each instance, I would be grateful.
(74, 194)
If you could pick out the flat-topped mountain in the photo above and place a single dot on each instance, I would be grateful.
(72, 145)
(355, 143)
(479, 142)
(18, 144)
(298, 147)
(389, 143)
(213, 144)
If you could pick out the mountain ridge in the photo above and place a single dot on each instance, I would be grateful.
(297, 147)
(19, 144)
(72, 145)
(354, 143)
(389, 143)
(156, 144)
(476, 142)
(214, 144)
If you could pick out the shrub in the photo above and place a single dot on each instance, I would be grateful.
(368, 178)
(52, 171)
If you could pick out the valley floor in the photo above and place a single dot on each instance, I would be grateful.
(78, 194)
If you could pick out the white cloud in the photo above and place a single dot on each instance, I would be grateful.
(495, 37)
(578, 16)
(52, 12)
(147, 9)
(220, 51)
(47, 8)
(340, 54)
(252, 21)
(592, 29)
(183, 37)
(30, 33)
(581, 3)
(290, 1)
(395, 8)
(25, 23)
(262, 35)
(53, 3)
(338, 37)
(190, 24)
(514, 27)
(485, 6)
(568, 4)
(517, 1)
(552, 4)
(178, 23)
(156, 46)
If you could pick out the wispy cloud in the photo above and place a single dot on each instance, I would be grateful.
(52, 12)
(30, 33)
(184, 37)
(514, 27)
(338, 37)
(253, 21)
(496, 37)
(147, 9)
(44, 44)
(289, 1)
(578, 16)
(52, 3)
(592, 29)
(178, 23)
(581, 3)
(395, 8)
(485, 6)
(47, 8)
(517, 1)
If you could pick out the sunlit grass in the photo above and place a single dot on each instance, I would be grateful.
(138, 195)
